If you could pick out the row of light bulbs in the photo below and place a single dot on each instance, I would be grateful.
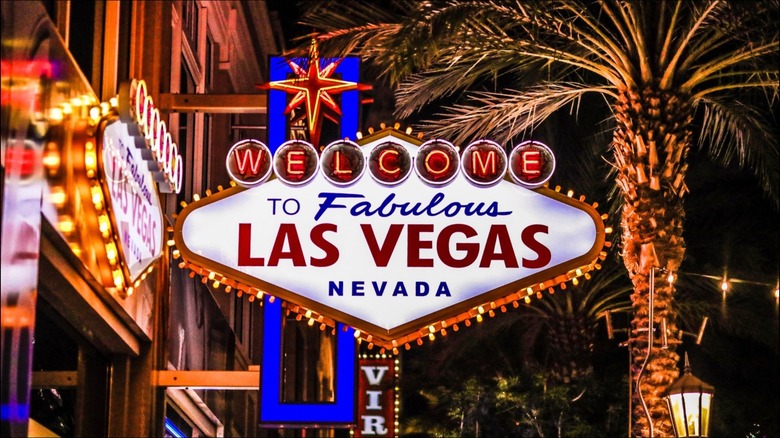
(725, 282)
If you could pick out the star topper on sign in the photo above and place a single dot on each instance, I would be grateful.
(314, 87)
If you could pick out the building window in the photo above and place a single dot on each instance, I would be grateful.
(238, 317)
(84, 41)
(205, 161)
(124, 53)
(190, 12)
(209, 67)
(186, 136)
(308, 363)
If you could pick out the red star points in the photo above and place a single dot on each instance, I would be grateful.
(315, 88)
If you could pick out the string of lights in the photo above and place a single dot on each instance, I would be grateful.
(725, 282)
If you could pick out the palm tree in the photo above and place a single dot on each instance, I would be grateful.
(674, 74)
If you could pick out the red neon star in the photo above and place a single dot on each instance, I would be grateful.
(315, 88)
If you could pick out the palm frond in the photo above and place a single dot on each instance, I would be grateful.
(463, 72)
(737, 131)
(505, 115)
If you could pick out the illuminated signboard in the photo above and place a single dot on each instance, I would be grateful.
(135, 207)
(133, 158)
(398, 241)
(377, 397)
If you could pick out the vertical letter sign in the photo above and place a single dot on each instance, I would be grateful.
(377, 380)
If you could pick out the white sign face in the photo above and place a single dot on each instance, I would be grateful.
(134, 203)
(388, 258)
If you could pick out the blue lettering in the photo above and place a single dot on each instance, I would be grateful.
(421, 289)
(434, 207)
(379, 290)
(361, 208)
(328, 202)
(334, 288)
(443, 289)
(452, 209)
(382, 208)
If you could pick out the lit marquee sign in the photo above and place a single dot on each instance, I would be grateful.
(393, 237)
(133, 158)
(135, 207)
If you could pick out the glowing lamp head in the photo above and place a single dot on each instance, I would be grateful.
(690, 402)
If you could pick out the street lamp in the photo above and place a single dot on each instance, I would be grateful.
(690, 401)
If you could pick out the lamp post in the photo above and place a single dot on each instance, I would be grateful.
(690, 401)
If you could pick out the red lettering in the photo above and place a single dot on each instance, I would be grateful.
(480, 166)
(415, 244)
(296, 163)
(159, 138)
(542, 252)
(532, 163)
(153, 240)
(250, 155)
(505, 251)
(244, 247)
(318, 239)
(151, 123)
(164, 151)
(471, 249)
(140, 102)
(437, 162)
(338, 170)
(389, 166)
(382, 254)
(287, 234)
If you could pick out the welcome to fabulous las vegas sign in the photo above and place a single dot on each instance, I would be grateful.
(391, 236)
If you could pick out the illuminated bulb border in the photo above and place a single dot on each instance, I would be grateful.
(121, 281)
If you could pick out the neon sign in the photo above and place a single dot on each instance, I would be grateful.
(290, 77)
(430, 239)
(249, 163)
(437, 163)
(532, 164)
(136, 105)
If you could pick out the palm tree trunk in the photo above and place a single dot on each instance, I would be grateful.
(650, 145)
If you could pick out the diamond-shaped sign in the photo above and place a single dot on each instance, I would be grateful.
(390, 259)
